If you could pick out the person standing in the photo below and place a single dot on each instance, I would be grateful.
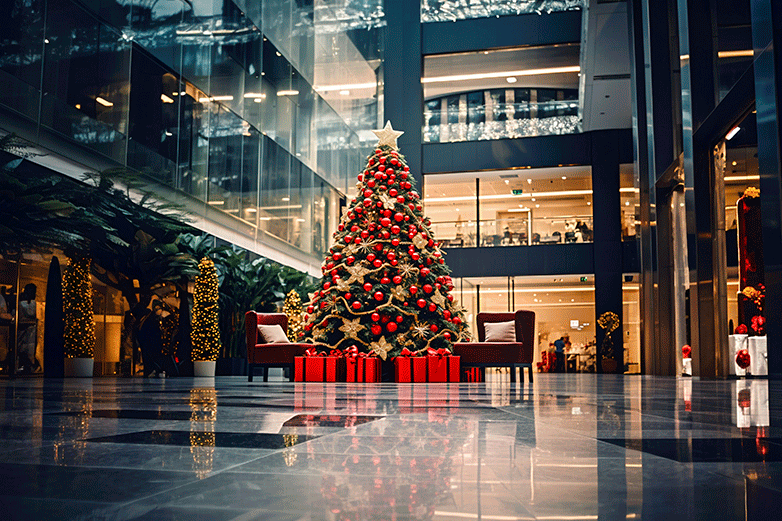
(27, 336)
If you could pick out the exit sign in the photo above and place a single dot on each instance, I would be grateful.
(583, 279)
(517, 192)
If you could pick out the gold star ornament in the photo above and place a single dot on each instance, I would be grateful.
(381, 347)
(387, 136)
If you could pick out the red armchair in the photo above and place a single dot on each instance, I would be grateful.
(269, 355)
(501, 354)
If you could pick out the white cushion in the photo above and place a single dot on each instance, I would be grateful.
(272, 334)
(500, 331)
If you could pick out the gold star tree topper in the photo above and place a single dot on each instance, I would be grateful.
(388, 136)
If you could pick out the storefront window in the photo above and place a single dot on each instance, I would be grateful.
(507, 93)
(631, 323)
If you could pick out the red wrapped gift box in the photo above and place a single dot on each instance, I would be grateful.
(426, 369)
(474, 374)
(319, 369)
(363, 369)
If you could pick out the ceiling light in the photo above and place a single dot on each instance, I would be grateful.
(286, 198)
(344, 92)
(250, 210)
(105, 103)
(216, 203)
(166, 99)
(254, 95)
(529, 181)
(734, 163)
(78, 106)
(738, 178)
(732, 133)
(503, 74)
(287, 92)
(495, 197)
(207, 32)
(537, 206)
(345, 87)
(215, 98)
(533, 199)
(169, 134)
(511, 79)
(627, 203)
(278, 53)
(564, 177)
(589, 203)
(746, 53)
(507, 182)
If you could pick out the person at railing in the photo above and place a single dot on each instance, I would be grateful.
(586, 233)
(507, 237)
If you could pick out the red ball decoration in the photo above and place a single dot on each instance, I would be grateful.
(310, 309)
(348, 239)
(371, 257)
(447, 335)
(421, 303)
(413, 290)
(450, 297)
(447, 314)
(371, 183)
(375, 317)
(399, 319)
(377, 263)
(457, 320)
(395, 242)
(350, 260)
(385, 280)
(391, 327)
(367, 286)
(356, 305)
(432, 307)
(433, 328)
(397, 279)
(385, 222)
(395, 229)
(326, 285)
(400, 199)
(742, 358)
(348, 296)
(427, 288)
(415, 256)
(392, 192)
(379, 295)
(424, 271)
(376, 329)
(398, 217)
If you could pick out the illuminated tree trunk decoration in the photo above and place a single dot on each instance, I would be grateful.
(205, 334)
(751, 267)
(385, 286)
(79, 340)
(293, 310)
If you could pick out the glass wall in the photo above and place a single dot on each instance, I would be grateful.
(452, 10)
(501, 93)
(511, 208)
(221, 100)
(631, 323)
(630, 200)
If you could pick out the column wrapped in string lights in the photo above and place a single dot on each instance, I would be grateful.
(293, 309)
(205, 333)
(79, 341)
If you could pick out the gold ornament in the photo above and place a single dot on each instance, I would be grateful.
(419, 242)
(751, 192)
(351, 327)
(381, 348)
(342, 285)
(388, 202)
(399, 293)
(439, 299)
(420, 330)
(407, 270)
(357, 273)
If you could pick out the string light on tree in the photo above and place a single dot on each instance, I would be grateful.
(79, 336)
(205, 333)
(385, 276)
(293, 309)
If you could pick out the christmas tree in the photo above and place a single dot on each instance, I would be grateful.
(386, 286)
(293, 309)
(205, 333)
(79, 340)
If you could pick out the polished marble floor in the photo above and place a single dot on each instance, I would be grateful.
(569, 446)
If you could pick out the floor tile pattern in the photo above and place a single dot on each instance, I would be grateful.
(569, 446)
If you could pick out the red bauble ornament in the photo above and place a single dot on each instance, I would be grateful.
(395, 241)
(398, 217)
(382, 159)
(395, 229)
(367, 286)
(367, 193)
(310, 309)
(397, 279)
(357, 240)
(421, 303)
(424, 272)
(385, 222)
(743, 359)
(371, 257)
(433, 328)
(391, 256)
(350, 260)
(356, 305)
(375, 317)
(384, 319)
(326, 285)
(386, 234)
(376, 329)
(447, 335)
(447, 314)
(391, 327)
(427, 288)
(457, 320)
(450, 297)
(389, 171)
(377, 247)
(413, 290)
(415, 256)
(379, 295)
(364, 234)
(403, 175)
(385, 280)
(371, 183)
(432, 307)
(348, 239)
(400, 199)
(393, 192)
(394, 262)
(400, 318)
(429, 260)
(377, 263)
(348, 296)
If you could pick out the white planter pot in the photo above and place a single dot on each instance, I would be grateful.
(687, 366)
(758, 355)
(79, 367)
(735, 344)
(204, 367)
